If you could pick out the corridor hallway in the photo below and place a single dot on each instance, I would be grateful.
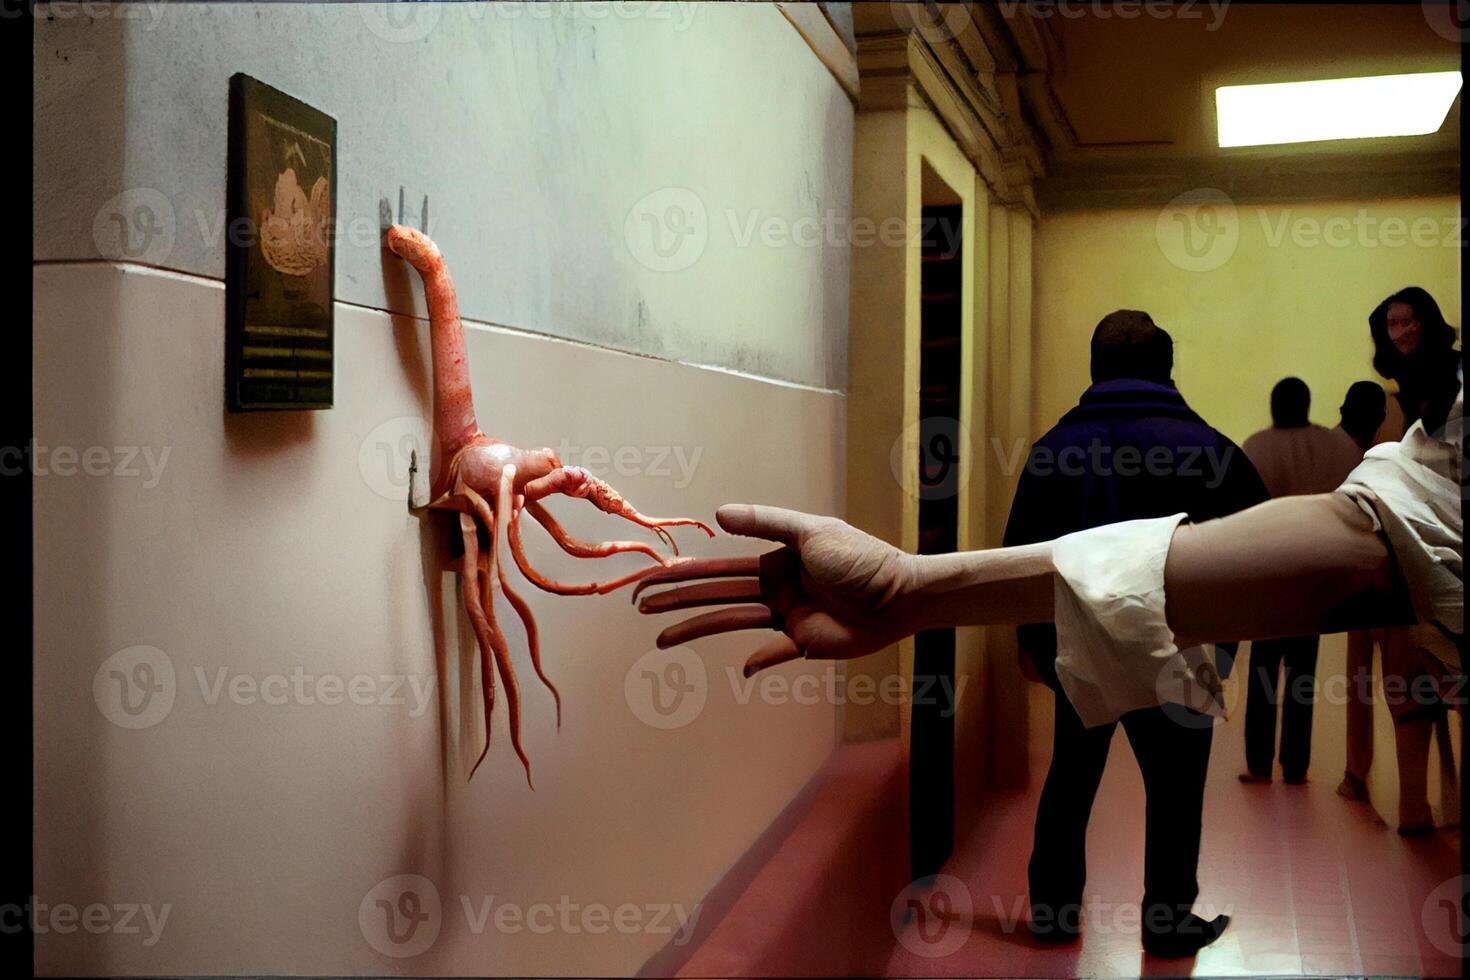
(1314, 885)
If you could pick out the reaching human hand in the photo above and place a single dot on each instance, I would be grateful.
(830, 591)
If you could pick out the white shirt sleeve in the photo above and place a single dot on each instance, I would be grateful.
(1115, 651)
(1413, 491)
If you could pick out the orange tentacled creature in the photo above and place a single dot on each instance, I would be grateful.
(490, 483)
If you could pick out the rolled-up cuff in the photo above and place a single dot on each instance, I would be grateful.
(1418, 509)
(1115, 651)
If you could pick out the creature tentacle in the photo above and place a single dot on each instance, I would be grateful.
(512, 695)
(479, 621)
(586, 549)
(574, 481)
(588, 588)
(502, 651)
(506, 506)
(494, 638)
(532, 638)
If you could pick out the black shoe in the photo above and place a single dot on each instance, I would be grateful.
(1185, 939)
(1294, 780)
(1056, 924)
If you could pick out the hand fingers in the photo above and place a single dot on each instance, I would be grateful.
(704, 594)
(721, 621)
(777, 651)
(701, 568)
(760, 521)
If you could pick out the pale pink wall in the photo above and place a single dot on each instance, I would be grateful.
(273, 544)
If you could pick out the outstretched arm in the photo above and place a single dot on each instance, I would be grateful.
(1287, 567)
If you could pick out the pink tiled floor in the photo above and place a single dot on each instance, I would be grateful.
(1314, 885)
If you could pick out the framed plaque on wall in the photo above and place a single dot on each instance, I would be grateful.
(279, 241)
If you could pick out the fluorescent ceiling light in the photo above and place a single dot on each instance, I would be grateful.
(1335, 108)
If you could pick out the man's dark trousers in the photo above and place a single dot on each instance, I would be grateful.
(1172, 747)
(1265, 690)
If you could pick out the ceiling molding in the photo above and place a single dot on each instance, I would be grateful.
(968, 77)
(1153, 183)
(815, 27)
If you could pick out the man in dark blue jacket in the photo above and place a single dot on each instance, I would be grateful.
(1130, 449)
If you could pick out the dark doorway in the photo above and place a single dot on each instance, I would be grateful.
(932, 718)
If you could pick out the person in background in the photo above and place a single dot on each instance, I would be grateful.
(1414, 347)
(1363, 411)
(1293, 457)
(1131, 448)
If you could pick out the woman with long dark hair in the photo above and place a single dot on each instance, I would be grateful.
(1415, 347)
